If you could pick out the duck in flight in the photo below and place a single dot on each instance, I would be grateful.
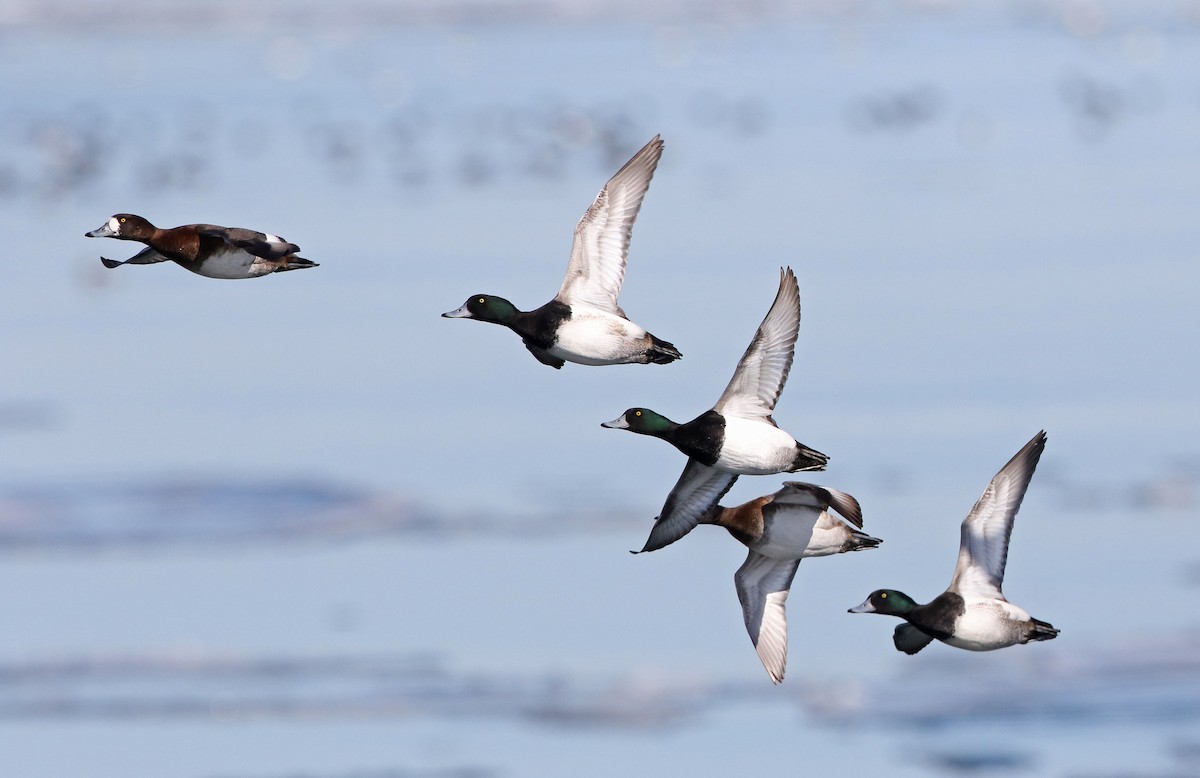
(737, 436)
(780, 529)
(584, 323)
(973, 613)
(205, 249)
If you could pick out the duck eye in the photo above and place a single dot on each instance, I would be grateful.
(122, 220)
(637, 413)
(482, 301)
(883, 595)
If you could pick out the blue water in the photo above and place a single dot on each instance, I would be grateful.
(303, 526)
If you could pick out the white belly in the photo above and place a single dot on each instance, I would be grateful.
(599, 339)
(233, 264)
(828, 537)
(988, 625)
(755, 448)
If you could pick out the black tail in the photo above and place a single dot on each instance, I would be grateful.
(1042, 631)
(808, 459)
(860, 540)
(662, 352)
(297, 263)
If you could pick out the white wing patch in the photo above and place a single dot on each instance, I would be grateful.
(762, 586)
(596, 270)
(985, 532)
(763, 369)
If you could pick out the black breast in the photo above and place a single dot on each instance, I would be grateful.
(938, 616)
(701, 438)
(540, 326)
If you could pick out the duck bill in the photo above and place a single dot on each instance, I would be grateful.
(103, 231)
(458, 313)
(618, 423)
(866, 607)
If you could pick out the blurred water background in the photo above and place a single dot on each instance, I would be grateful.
(301, 526)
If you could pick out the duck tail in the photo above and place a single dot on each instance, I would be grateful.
(1041, 630)
(861, 540)
(662, 352)
(297, 263)
(808, 459)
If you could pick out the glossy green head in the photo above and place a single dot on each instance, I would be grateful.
(643, 421)
(485, 307)
(887, 602)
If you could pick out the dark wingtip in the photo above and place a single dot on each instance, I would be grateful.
(110, 263)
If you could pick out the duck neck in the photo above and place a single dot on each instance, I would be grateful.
(700, 438)
(900, 604)
(539, 326)
(745, 522)
(501, 311)
(659, 426)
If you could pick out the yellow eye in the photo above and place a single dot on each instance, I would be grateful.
(883, 595)
(122, 220)
(481, 301)
(637, 413)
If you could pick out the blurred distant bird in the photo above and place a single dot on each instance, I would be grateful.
(780, 529)
(583, 323)
(205, 249)
(973, 613)
(738, 436)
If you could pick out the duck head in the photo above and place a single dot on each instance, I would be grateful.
(123, 226)
(643, 421)
(887, 602)
(485, 307)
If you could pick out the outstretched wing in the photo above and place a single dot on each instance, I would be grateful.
(597, 267)
(698, 489)
(983, 550)
(146, 256)
(260, 244)
(763, 369)
(762, 586)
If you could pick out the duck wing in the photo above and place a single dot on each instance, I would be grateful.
(597, 267)
(909, 639)
(762, 587)
(544, 356)
(259, 244)
(983, 550)
(698, 489)
(820, 498)
(763, 369)
(146, 256)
